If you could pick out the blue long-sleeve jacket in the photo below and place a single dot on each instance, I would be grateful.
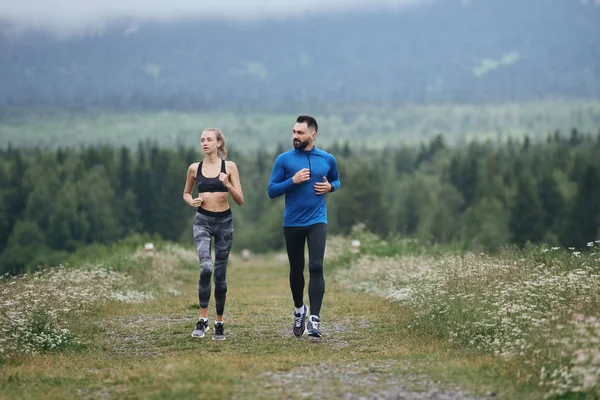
(303, 206)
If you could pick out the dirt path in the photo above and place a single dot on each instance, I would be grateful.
(145, 350)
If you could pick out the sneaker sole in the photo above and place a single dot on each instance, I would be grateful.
(200, 337)
(220, 338)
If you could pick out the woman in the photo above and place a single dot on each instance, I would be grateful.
(216, 179)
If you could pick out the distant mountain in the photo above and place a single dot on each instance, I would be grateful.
(467, 51)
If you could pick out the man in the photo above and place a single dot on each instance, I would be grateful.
(305, 174)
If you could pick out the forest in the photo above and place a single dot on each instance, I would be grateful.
(477, 196)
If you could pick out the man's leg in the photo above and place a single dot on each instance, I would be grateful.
(317, 236)
(295, 239)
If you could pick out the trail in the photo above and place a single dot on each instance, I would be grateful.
(145, 350)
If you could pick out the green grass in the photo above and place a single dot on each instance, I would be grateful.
(535, 308)
(144, 350)
(360, 125)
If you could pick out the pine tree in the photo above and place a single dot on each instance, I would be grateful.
(64, 225)
(141, 188)
(464, 174)
(404, 161)
(97, 202)
(124, 172)
(26, 242)
(347, 151)
(16, 196)
(575, 137)
(363, 203)
(442, 223)
(526, 214)
(5, 223)
(492, 184)
(487, 223)
(552, 201)
(584, 222)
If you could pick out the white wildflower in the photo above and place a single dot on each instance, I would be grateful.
(495, 305)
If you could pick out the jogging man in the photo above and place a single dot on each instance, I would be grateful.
(305, 174)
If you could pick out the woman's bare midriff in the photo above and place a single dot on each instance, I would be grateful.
(215, 201)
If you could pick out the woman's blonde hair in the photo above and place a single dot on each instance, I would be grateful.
(221, 150)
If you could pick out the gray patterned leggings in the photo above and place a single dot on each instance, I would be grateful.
(207, 225)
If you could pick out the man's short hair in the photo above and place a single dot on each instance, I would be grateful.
(310, 122)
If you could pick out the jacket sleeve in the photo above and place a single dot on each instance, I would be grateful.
(278, 185)
(333, 177)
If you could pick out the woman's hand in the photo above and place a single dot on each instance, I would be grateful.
(197, 202)
(223, 177)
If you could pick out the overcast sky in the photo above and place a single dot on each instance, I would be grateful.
(73, 16)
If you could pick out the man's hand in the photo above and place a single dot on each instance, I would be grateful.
(323, 187)
(301, 176)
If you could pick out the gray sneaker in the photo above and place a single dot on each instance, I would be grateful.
(300, 322)
(201, 328)
(313, 327)
(219, 331)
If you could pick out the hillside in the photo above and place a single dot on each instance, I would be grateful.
(467, 51)
(363, 125)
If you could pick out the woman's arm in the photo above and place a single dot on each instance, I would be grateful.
(233, 183)
(189, 186)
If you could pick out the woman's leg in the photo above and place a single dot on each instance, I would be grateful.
(202, 236)
(223, 242)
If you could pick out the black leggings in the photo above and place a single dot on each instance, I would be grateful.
(295, 239)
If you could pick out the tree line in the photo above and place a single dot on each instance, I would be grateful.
(482, 194)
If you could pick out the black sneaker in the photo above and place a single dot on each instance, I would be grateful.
(201, 328)
(313, 327)
(219, 331)
(300, 322)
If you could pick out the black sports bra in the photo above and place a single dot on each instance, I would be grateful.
(210, 184)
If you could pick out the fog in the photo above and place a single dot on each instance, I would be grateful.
(77, 16)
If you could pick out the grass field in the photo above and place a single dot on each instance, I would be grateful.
(361, 125)
(140, 346)
(119, 326)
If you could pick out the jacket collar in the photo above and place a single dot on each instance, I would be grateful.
(304, 151)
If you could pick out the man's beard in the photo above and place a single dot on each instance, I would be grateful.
(298, 145)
